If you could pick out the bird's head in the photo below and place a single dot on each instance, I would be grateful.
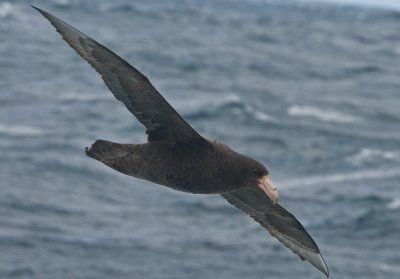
(258, 175)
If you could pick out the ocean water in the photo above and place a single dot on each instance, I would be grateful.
(310, 89)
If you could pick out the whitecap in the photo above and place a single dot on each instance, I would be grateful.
(342, 177)
(389, 268)
(387, 4)
(394, 204)
(321, 114)
(5, 9)
(84, 97)
(259, 115)
(20, 130)
(369, 154)
(262, 116)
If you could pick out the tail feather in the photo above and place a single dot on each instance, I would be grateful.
(106, 151)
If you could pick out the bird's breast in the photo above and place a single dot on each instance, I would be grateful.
(188, 170)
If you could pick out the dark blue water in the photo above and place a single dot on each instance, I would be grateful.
(311, 90)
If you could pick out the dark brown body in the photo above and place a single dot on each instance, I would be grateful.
(204, 167)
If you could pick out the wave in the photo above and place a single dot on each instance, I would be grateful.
(342, 177)
(20, 130)
(6, 9)
(191, 108)
(233, 104)
(369, 154)
(205, 103)
(261, 116)
(119, 7)
(394, 204)
(40, 209)
(321, 114)
(63, 3)
(82, 97)
(386, 4)
(389, 267)
(206, 107)
(20, 272)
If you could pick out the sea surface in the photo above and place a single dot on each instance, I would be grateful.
(310, 89)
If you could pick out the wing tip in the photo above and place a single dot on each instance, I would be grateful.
(39, 10)
(43, 13)
(320, 264)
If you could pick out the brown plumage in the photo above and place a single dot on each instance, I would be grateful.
(176, 156)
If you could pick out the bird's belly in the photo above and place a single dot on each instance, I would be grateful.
(183, 170)
(186, 178)
(200, 185)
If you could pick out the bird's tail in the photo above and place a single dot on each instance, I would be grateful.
(106, 151)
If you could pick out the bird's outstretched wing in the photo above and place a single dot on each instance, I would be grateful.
(279, 222)
(129, 86)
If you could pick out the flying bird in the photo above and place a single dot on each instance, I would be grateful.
(178, 157)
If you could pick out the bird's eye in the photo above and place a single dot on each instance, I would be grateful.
(257, 172)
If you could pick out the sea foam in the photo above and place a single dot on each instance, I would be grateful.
(20, 130)
(321, 114)
(342, 177)
(5, 9)
(370, 154)
(394, 204)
